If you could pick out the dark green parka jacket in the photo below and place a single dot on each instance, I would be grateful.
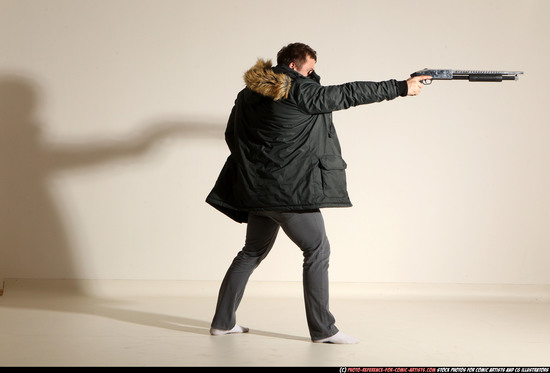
(285, 154)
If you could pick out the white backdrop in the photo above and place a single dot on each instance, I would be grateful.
(112, 115)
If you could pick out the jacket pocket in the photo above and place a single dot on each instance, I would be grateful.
(333, 176)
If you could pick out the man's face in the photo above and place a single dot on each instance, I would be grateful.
(306, 68)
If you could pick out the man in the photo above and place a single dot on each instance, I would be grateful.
(286, 164)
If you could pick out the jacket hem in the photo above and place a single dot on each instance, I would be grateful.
(240, 214)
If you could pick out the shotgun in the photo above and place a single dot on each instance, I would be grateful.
(470, 75)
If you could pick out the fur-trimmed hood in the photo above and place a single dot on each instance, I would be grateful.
(262, 79)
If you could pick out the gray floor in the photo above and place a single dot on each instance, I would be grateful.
(54, 323)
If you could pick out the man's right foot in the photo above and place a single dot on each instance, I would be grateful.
(338, 338)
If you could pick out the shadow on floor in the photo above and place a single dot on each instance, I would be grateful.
(64, 296)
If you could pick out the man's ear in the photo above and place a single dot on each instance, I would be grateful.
(292, 65)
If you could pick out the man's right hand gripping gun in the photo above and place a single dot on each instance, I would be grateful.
(471, 75)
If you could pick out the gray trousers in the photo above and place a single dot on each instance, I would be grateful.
(307, 231)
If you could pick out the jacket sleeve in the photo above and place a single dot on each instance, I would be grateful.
(313, 98)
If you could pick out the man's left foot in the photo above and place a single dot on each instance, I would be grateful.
(236, 329)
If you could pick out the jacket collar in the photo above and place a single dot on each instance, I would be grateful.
(296, 75)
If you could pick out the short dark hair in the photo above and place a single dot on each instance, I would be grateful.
(295, 52)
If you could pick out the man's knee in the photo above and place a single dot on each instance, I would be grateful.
(319, 249)
(250, 259)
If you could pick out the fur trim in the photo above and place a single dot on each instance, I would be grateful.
(262, 79)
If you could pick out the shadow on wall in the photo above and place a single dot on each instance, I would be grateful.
(33, 241)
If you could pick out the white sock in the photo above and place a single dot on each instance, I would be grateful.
(236, 329)
(338, 338)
